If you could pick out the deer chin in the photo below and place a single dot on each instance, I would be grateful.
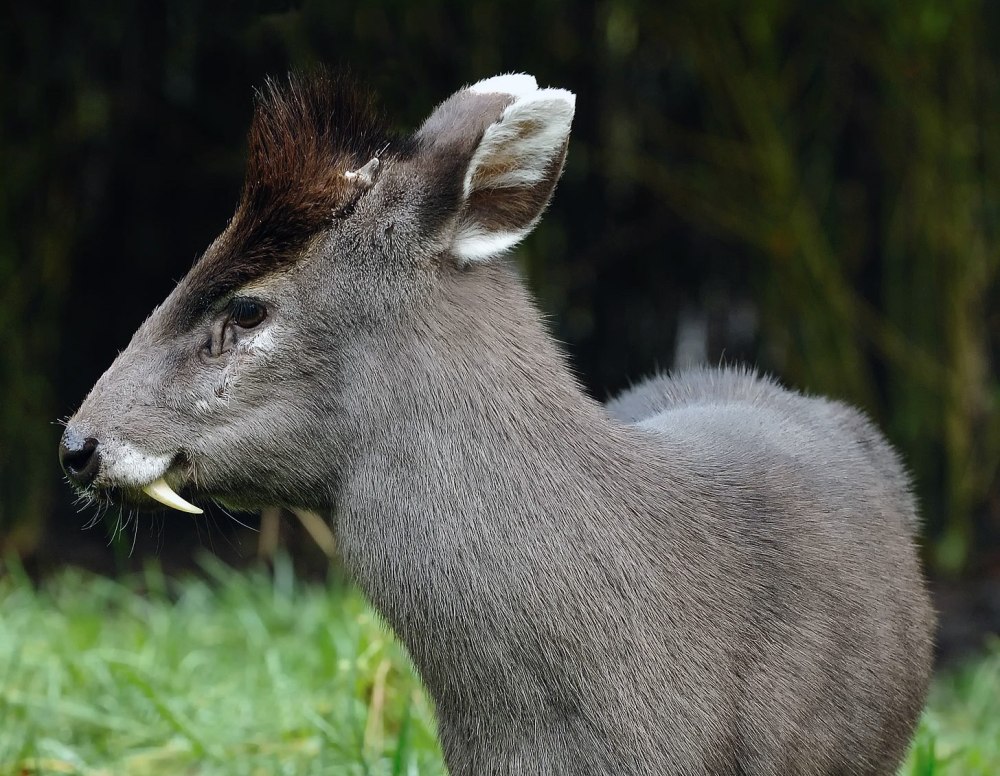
(141, 496)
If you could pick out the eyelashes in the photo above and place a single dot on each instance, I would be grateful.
(247, 313)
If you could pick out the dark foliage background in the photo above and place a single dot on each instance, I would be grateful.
(814, 187)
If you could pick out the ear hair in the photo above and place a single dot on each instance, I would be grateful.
(517, 85)
(514, 169)
(524, 139)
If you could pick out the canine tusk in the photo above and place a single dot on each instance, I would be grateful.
(160, 491)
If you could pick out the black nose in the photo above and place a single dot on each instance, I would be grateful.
(79, 457)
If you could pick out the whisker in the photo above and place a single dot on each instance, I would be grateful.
(236, 520)
(114, 528)
(135, 535)
(161, 531)
(121, 524)
(208, 532)
(197, 528)
(99, 512)
(237, 545)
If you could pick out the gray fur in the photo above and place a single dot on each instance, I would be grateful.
(708, 575)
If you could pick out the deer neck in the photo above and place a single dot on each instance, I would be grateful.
(470, 433)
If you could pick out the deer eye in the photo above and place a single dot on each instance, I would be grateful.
(248, 313)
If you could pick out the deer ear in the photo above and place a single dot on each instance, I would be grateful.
(509, 140)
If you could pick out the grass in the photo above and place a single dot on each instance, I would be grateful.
(255, 673)
(240, 673)
(959, 734)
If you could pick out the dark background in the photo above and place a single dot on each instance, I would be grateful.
(813, 187)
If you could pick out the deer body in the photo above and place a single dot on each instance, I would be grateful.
(660, 597)
(709, 575)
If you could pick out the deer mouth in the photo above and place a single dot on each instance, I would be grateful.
(159, 490)
(116, 471)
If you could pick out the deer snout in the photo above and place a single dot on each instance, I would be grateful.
(79, 457)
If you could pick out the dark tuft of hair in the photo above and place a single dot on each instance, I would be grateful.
(307, 131)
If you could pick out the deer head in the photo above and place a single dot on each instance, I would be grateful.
(237, 387)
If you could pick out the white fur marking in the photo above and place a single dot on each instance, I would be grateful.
(128, 466)
(261, 342)
(516, 84)
(474, 244)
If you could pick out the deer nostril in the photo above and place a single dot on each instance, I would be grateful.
(79, 457)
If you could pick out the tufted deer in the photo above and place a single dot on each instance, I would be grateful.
(707, 575)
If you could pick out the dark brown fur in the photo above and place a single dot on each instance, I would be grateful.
(304, 136)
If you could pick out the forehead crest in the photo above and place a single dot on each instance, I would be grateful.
(304, 135)
(307, 131)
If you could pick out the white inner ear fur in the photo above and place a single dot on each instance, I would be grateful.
(517, 149)
(515, 152)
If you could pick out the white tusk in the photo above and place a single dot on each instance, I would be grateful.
(160, 491)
